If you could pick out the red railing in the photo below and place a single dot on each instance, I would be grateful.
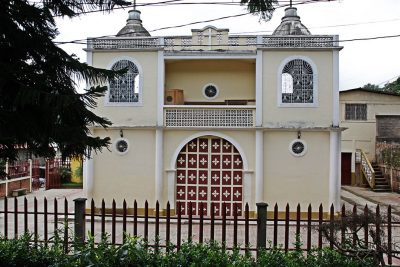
(53, 175)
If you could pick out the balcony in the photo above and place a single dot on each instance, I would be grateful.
(216, 116)
(239, 42)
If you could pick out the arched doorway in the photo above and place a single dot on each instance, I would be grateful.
(209, 170)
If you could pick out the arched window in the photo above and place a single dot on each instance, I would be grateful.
(125, 88)
(297, 82)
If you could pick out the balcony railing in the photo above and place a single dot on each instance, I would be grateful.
(209, 116)
(177, 43)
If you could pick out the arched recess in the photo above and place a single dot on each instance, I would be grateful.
(209, 175)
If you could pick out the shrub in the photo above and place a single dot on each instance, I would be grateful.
(137, 252)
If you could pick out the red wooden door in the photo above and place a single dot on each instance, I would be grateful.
(346, 169)
(209, 173)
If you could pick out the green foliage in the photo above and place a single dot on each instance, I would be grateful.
(39, 102)
(65, 174)
(22, 252)
(262, 8)
(389, 154)
(137, 252)
(370, 86)
(79, 171)
(391, 87)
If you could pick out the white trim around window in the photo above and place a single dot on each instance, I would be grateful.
(124, 104)
(315, 83)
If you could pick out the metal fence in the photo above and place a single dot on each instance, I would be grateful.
(271, 227)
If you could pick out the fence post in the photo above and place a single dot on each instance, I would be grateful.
(79, 220)
(261, 226)
(30, 175)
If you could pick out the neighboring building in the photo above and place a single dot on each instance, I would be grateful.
(218, 118)
(368, 116)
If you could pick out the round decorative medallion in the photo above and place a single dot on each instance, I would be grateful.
(121, 146)
(210, 91)
(298, 148)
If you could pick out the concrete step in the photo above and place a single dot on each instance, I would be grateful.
(382, 190)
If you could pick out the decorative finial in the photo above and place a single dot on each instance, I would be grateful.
(134, 4)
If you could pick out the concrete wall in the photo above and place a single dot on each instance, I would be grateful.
(143, 115)
(293, 180)
(126, 176)
(275, 116)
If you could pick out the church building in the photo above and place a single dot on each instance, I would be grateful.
(218, 119)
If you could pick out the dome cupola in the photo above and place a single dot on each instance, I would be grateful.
(291, 24)
(133, 26)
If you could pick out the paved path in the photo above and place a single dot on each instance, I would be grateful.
(364, 196)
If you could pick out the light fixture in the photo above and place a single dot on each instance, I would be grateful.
(298, 135)
(121, 133)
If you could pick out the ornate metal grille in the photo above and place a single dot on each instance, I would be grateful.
(125, 89)
(191, 117)
(302, 85)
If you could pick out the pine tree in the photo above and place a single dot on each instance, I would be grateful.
(263, 8)
(39, 102)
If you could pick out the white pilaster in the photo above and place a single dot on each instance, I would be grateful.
(259, 166)
(88, 169)
(247, 187)
(89, 58)
(334, 169)
(171, 187)
(335, 88)
(259, 85)
(160, 88)
(159, 164)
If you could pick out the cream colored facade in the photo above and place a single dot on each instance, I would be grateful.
(247, 112)
(361, 134)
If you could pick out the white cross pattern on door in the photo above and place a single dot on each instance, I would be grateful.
(212, 179)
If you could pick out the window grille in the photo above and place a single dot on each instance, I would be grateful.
(357, 112)
(125, 88)
(297, 82)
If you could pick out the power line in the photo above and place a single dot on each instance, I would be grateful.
(319, 42)
(385, 82)
(193, 23)
(180, 2)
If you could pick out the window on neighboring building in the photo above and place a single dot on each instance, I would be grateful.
(125, 89)
(297, 82)
(357, 112)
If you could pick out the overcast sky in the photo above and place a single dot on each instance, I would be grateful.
(361, 62)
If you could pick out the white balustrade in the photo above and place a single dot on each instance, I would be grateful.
(224, 117)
